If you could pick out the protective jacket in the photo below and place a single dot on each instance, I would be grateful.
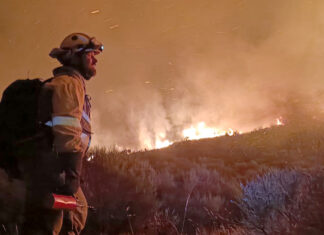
(70, 123)
(70, 111)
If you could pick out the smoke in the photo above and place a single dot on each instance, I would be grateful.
(239, 64)
(167, 65)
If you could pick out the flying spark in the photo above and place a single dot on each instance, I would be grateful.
(95, 12)
(114, 26)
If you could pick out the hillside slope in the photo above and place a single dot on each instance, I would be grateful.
(268, 181)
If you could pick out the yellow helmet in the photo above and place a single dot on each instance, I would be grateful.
(78, 42)
(74, 43)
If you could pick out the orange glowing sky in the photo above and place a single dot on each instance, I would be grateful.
(170, 64)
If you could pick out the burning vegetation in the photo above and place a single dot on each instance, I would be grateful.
(268, 181)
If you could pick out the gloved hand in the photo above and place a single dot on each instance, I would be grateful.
(70, 164)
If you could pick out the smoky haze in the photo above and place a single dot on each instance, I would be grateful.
(173, 63)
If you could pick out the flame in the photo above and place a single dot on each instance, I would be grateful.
(195, 132)
(201, 131)
(162, 144)
(192, 133)
(279, 121)
(161, 141)
(230, 132)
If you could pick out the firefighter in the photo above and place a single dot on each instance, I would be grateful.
(60, 163)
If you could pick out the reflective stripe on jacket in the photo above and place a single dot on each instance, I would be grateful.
(70, 111)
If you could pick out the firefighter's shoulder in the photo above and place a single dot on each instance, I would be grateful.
(66, 82)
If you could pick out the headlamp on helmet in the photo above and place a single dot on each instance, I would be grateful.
(93, 45)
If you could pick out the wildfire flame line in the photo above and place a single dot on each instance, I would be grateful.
(201, 131)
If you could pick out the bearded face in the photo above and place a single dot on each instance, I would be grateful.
(88, 65)
(85, 63)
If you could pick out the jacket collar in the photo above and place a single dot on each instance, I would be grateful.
(66, 70)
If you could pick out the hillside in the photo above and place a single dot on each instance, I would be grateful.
(268, 181)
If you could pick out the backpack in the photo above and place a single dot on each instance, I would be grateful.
(20, 123)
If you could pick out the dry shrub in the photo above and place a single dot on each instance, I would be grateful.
(284, 202)
(121, 189)
(163, 222)
(130, 195)
(193, 194)
(12, 199)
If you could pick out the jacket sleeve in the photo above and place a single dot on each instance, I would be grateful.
(67, 107)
